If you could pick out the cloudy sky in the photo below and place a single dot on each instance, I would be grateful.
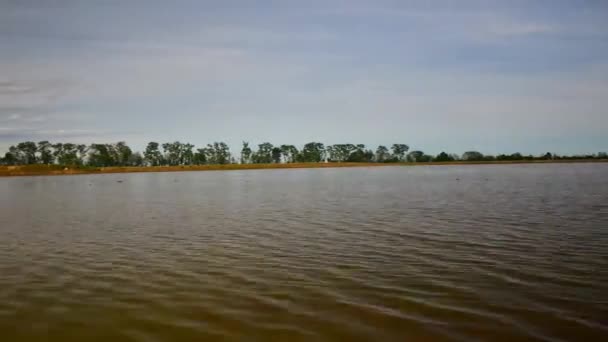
(494, 76)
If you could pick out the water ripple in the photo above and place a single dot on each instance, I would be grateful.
(387, 254)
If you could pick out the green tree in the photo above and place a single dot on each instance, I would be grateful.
(16, 155)
(419, 157)
(246, 153)
(415, 156)
(472, 156)
(101, 155)
(200, 157)
(444, 157)
(187, 155)
(217, 153)
(28, 151)
(426, 158)
(276, 155)
(123, 153)
(152, 155)
(348, 152)
(135, 159)
(82, 153)
(290, 153)
(361, 155)
(382, 154)
(57, 152)
(222, 152)
(172, 153)
(46, 152)
(9, 159)
(264, 154)
(330, 152)
(177, 153)
(399, 151)
(68, 155)
(313, 152)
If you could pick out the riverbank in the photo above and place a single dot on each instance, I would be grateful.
(52, 170)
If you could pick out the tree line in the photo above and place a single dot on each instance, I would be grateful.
(178, 153)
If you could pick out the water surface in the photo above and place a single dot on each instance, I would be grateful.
(487, 252)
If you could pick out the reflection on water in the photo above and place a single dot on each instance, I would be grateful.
(385, 254)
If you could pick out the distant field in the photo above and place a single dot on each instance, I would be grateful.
(49, 170)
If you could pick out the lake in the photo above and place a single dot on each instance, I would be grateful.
(487, 252)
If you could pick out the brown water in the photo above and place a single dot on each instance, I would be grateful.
(363, 254)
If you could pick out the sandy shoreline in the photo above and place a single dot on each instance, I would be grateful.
(56, 170)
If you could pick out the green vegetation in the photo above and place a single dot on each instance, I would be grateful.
(183, 154)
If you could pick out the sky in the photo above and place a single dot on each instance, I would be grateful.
(492, 76)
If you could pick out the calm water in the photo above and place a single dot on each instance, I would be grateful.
(362, 254)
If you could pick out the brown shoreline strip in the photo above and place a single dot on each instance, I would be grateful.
(56, 170)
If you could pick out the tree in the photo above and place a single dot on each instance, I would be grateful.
(425, 158)
(122, 153)
(222, 152)
(276, 155)
(101, 155)
(172, 153)
(289, 152)
(135, 159)
(263, 154)
(217, 153)
(415, 156)
(514, 156)
(349, 153)
(9, 159)
(472, 156)
(399, 151)
(68, 155)
(444, 157)
(45, 152)
(152, 155)
(177, 153)
(340, 152)
(57, 151)
(186, 154)
(360, 155)
(200, 157)
(419, 157)
(313, 152)
(330, 152)
(382, 154)
(246, 153)
(28, 151)
(16, 155)
(82, 153)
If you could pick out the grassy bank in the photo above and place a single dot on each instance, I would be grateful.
(49, 170)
